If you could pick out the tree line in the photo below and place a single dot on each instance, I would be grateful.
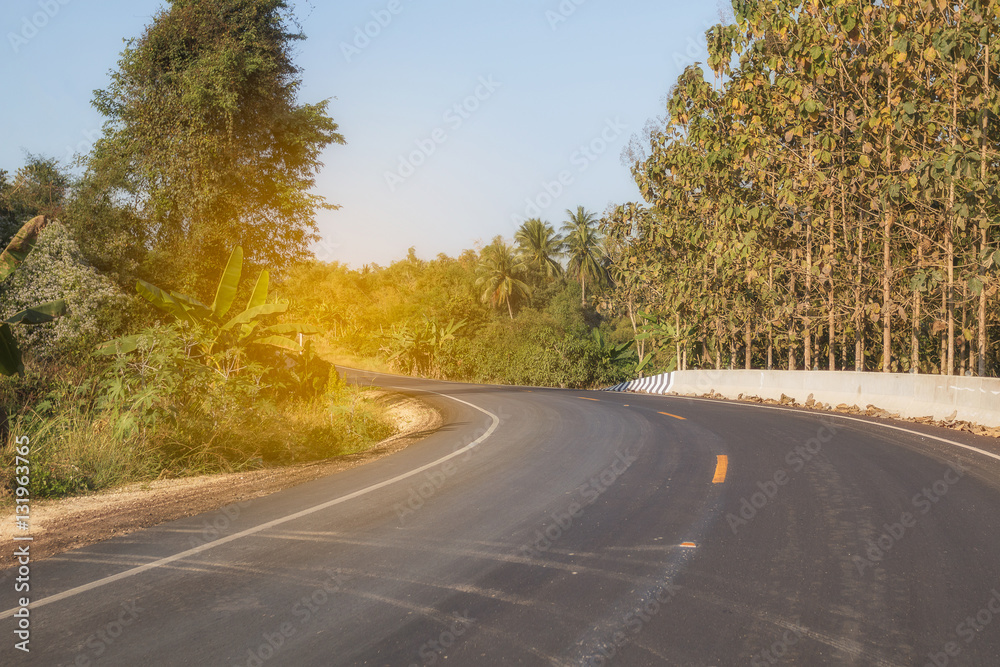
(539, 253)
(823, 194)
(522, 311)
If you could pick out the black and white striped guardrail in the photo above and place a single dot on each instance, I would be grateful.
(656, 384)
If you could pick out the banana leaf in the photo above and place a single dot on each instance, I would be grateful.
(644, 362)
(247, 330)
(164, 301)
(259, 296)
(230, 281)
(40, 314)
(279, 341)
(192, 304)
(252, 313)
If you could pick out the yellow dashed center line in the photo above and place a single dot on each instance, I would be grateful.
(584, 398)
(674, 416)
(721, 467)
(688, 545)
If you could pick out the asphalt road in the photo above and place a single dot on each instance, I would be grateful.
(559, 527)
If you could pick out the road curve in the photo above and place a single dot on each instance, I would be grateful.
(560, 527)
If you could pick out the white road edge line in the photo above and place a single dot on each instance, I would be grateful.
(853, 419)
(275, 522)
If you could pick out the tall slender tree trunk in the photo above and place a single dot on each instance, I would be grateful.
(681, 363)
(792, 363)
(831, 325)
(915, 326)
(770, 326)
(966, 358)
(640, 345)
(747, 342)
(831, 304)
(887, 305)
(981, 315)
(981, 321)
(807, 320)
(718, 345)
(718, 323)
(944, 332)
(859, 313)
(949, 242)
(807, 315)
(949, 290)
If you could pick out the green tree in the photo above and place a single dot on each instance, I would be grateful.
(540, 246)
(584, 248)
(501, 277)
(40, 187)
(839, 174)
(205, 145)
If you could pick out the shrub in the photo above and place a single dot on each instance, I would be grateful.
(56, 269)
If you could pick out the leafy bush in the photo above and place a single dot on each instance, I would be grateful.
(535, 349)
(164, 411)
(74, 448)
(304, 375)
(56, 269)
(226, 408)
(421, 347)
(403, 314)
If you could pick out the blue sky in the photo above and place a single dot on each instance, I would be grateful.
(459, 116)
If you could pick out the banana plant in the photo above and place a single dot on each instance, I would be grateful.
(644, 366)
(420, 347)
(246, 328)
(612, 353)
(442, 333)
(15, 253)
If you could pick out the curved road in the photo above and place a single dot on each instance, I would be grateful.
(559, 527)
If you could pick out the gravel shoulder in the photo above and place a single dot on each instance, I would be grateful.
(69, 523)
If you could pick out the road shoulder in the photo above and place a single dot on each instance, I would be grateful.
(71, 523)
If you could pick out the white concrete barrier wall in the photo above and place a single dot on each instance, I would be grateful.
(974, 400)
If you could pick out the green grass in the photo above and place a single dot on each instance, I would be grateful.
(77, 448)
(74, 452)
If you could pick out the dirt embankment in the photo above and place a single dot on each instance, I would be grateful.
(69, 523)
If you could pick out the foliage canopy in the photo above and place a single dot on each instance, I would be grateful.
(205, 144)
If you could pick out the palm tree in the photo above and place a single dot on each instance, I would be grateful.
(585, 248)
(540, 246)
(501, 275)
